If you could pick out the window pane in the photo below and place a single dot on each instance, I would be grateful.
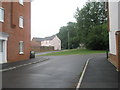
(21, 46)
(1, 14)
(1, 46)
(21, 22)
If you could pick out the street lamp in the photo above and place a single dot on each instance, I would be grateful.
(68, 39)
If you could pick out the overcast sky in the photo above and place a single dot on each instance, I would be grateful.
(49, 15)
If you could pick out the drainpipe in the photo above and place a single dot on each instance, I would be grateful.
(107, 12)
(12, 14)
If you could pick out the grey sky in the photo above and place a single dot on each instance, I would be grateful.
(49, 15)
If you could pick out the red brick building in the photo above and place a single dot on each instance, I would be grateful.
(15, 30)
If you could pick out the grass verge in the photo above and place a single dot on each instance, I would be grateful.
(74, 52)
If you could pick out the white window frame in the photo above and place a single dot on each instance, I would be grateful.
(21, 47)
(21, 2)
(21, 22)
(2, 14)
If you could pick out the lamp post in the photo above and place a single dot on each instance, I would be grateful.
(68, 39)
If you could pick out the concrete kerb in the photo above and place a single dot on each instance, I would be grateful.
(83, 72)
(11, 68)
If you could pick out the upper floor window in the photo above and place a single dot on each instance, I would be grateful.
(21, 2)
(1, 14)
(21, 20)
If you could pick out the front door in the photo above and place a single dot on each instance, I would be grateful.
(2, 51)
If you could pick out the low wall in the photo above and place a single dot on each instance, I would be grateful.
(42, 48)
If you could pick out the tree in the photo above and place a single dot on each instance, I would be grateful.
(73, 36)
(92, 25)
(90, 29)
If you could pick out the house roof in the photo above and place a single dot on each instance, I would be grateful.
(43, 39)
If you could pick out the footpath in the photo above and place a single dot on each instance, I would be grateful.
(100, 73)
(18, 64)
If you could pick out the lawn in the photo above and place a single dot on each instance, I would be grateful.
(74, 52)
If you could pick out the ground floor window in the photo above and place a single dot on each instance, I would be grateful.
(21, 49)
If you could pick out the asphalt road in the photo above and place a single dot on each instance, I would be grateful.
(57, 72)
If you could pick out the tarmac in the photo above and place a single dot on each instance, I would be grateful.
(57, 72)
(100, 73)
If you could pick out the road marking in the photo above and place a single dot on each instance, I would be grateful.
(81, 78)
(11, 68)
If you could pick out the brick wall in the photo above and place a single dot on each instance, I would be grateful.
(11, 26)
(42, 48)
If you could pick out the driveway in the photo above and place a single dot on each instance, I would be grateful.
(57, 72)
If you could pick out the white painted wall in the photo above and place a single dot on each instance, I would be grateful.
(112, 42)
(56, 43)
(46, 43)
(119, 16)
(113, 16)
(114, 19)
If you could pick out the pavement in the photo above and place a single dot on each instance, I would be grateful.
(18, 63)
(100, 73)
(22, 63)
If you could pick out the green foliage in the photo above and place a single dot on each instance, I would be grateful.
(91, 28)
(73, 37)
(92, 25)
(98, 38)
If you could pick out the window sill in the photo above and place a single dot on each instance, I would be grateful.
(2, 21)
(21, 53)
(21, 27)
(22, 4)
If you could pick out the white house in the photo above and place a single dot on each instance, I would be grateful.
(114, 32)
(50, 41)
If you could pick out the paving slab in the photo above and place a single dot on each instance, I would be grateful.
(17, 63)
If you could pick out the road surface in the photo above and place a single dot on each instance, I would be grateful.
(57, 72)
